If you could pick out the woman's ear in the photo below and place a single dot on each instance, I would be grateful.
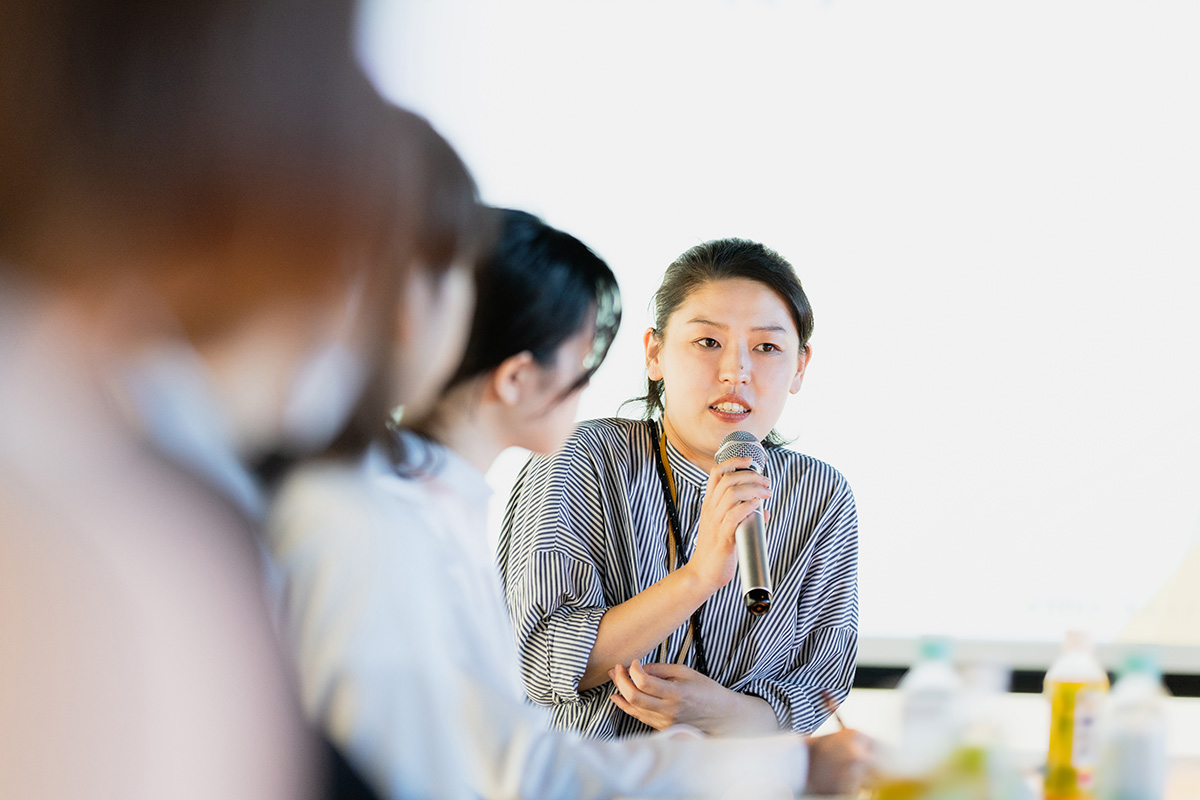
(653, 345)
(511, 381)
(801, 365)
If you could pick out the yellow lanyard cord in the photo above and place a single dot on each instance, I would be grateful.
(662, 449)
(672, 557)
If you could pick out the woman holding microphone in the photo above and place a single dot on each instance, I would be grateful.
(618, 552)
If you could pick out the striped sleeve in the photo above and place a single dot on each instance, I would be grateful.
(553, 588)
(827, 619)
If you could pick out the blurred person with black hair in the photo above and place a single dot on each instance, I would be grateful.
(213, 235)
(394, 604)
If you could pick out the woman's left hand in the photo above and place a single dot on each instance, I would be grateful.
(662, 695)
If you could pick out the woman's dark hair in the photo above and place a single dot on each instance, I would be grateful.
(723, 259)
(533, 293)
(188, 116)
(198, 126)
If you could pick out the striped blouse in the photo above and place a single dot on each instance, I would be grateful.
(586, 529)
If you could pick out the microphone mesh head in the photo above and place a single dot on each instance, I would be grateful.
(743, 444)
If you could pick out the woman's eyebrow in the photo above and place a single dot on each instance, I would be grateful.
(722, 326)
(709, 322)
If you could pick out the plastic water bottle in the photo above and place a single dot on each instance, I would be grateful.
(1076, 686)
(932, 716)
(1133, 734)
(931, 722)
(982, 768)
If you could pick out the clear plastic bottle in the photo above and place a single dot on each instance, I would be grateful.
(1076, 686)
(932, 714)
(981, 767)
(931, 723)
(1133, 734)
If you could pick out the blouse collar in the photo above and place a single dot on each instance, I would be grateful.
(681, 468)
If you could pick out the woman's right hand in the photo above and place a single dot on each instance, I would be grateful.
(734, 492)
(841, 763)
(631, 629)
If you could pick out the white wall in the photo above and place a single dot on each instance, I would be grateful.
(995, 209)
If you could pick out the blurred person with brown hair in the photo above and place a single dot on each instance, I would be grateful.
(212, 193)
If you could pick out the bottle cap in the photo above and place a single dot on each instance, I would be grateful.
(1077, 640)
(1142, 661)
(935, 648)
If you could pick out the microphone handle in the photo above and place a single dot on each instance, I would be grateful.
(751, 541)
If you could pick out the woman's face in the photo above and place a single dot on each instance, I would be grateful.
(728, 361)
(435, 318)
(551, 415)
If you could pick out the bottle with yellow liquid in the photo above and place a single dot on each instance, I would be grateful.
(1076, 686)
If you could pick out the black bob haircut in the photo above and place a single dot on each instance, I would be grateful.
(534, 293)
(538, 288)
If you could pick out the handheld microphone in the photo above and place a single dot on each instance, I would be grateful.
(751, 534)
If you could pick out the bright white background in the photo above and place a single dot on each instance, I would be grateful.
(994, 208)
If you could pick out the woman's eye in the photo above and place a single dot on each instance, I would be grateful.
(767, 347)
(708, 342)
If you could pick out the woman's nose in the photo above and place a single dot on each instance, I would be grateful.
(735, 366)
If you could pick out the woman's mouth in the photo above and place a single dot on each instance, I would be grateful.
(730, 411)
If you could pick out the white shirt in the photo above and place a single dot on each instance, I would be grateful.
(406, 655)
